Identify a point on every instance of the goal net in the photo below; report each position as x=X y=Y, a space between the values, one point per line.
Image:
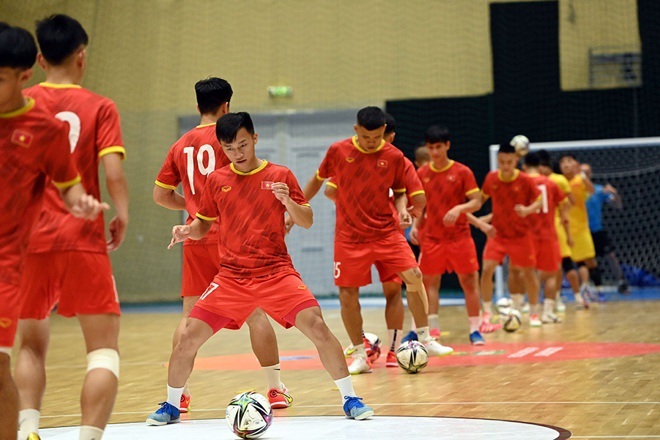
x=632 y=166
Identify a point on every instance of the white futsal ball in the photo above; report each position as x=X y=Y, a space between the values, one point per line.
x=513 y=321
x=521 y=144
x=249 y=415
x=504 y=305
x=412 y=356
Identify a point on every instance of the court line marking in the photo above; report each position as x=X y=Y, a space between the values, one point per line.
x=122 y=413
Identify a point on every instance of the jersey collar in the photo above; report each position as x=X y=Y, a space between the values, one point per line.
x=205 y=125
x=20 y=111
x=443 y=169
x=516 y=173
x=249 y=173
x=60 y=86
x=362 y=150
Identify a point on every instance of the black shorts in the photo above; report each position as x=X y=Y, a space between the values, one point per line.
x=602 y=243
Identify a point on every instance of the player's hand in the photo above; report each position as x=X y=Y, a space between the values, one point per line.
x=451 y=216
x=281 y=192
x=288 y=223
x=88 y=207
x=179 y=233
x=521 y=210
x=570 y=242
x=609 y=189
x=405 y=219
x=489 y=230
x=117 y=229
x=416 y=212
x=414 y=239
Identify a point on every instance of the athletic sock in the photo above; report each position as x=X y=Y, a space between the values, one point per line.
x=423 y=334
x=28 y=420
x=90 y=433
x=434 y=322
x=517 y=299
x=488 y=307
x=345 y=386
x=548 y=306
x=273 y=376
x=475 y=322
x=394 y=338
x=174 y=396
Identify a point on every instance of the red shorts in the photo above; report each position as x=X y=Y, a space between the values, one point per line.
x=10 y=307
x=227 y=302
x=521 y=250
x=80 y=283
x=459 y=255
x=548 y=254
x=201 y=263
x=353 y=261
x=386 y=277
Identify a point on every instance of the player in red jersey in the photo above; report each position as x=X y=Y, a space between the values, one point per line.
x=189 y=162
x=546 y=243
x=249 y=198
x=367 y=168
x=394 y=311
x=35 y=152
x=67 y=262
x=515 y=197
x=451 y=192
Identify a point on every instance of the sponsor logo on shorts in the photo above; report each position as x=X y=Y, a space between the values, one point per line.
x=350 y=159
x=5 y=322
x=226 y=188
x=302 y=287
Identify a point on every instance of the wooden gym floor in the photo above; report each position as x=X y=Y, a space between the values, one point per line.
x=595 y=375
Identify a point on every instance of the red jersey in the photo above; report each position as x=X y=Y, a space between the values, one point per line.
x=94 y=131
x=364 y=179
x=34 y=147
x=520 y=190
x=543 y=222
x=250 y=219
x=189 y=162
x=446 y=188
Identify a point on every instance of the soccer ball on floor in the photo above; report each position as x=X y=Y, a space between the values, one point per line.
x=412 y=356
x=504 y=305
x=521 y=144
x=249 y=415
x=513 y=321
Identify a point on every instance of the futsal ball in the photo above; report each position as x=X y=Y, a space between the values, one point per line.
x=504 y=305
x=521 y=144
x=513 y=321
x=412 y=356
x=249 y=415
x=372 y=346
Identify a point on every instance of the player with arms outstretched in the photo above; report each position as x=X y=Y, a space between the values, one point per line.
x=36 y=156
x=189 y=162
x=451 y=191
x=249 y=198
x=366 y=168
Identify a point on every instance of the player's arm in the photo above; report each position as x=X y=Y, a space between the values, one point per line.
x=195 y=230
x=401 y=205
x=168 y=198
x=588 y=184
x=301 y=215
x=414 y=229
x=79 y=203
x=330 y=191
x=417 y=204
x=483 y=224
x=524 y=211
x=472 y=205
x=115 y=182
x=615 y=198
x=313 y=186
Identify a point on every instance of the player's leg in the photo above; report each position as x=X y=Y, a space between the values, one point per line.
x=487 y=287
x=8 y=397
x=351 y=315
x=432 y=285
x=264 y=346
x=394 y=314
x=470 y=284
x=30 y=372
x=310 y=322
x=548 y=257
x=433 y=262
x=549 y=282
x=516 y=284
x=188 y=304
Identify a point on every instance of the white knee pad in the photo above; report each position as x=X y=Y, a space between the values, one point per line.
x=105 y=358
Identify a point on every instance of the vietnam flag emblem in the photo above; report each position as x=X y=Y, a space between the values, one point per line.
x=22 y=138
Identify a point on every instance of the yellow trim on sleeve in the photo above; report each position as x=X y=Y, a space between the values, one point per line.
x=114 y=149
x=20 y=111
x=249 y=173
x=205 y=218
x=472 y=191
x=362 y=150
x=305 y=204
x=402 y=190
x=68 y=184
x=318 y=176
x=165 y=185
x=59 y=86
x=332 y=185
x=416 y=193
x=484 y=195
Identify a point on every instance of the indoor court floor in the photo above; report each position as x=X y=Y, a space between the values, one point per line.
x=594 y=376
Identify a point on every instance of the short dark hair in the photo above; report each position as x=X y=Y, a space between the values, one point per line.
x=229 y=124
x=532 y=159
x=59 y=37
x=436 y=133
x=371 y=118
x=565 y=155
x=212 y=93
x=507 y=148
x=544 y=158
x=391 y=123
x=17 y=47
